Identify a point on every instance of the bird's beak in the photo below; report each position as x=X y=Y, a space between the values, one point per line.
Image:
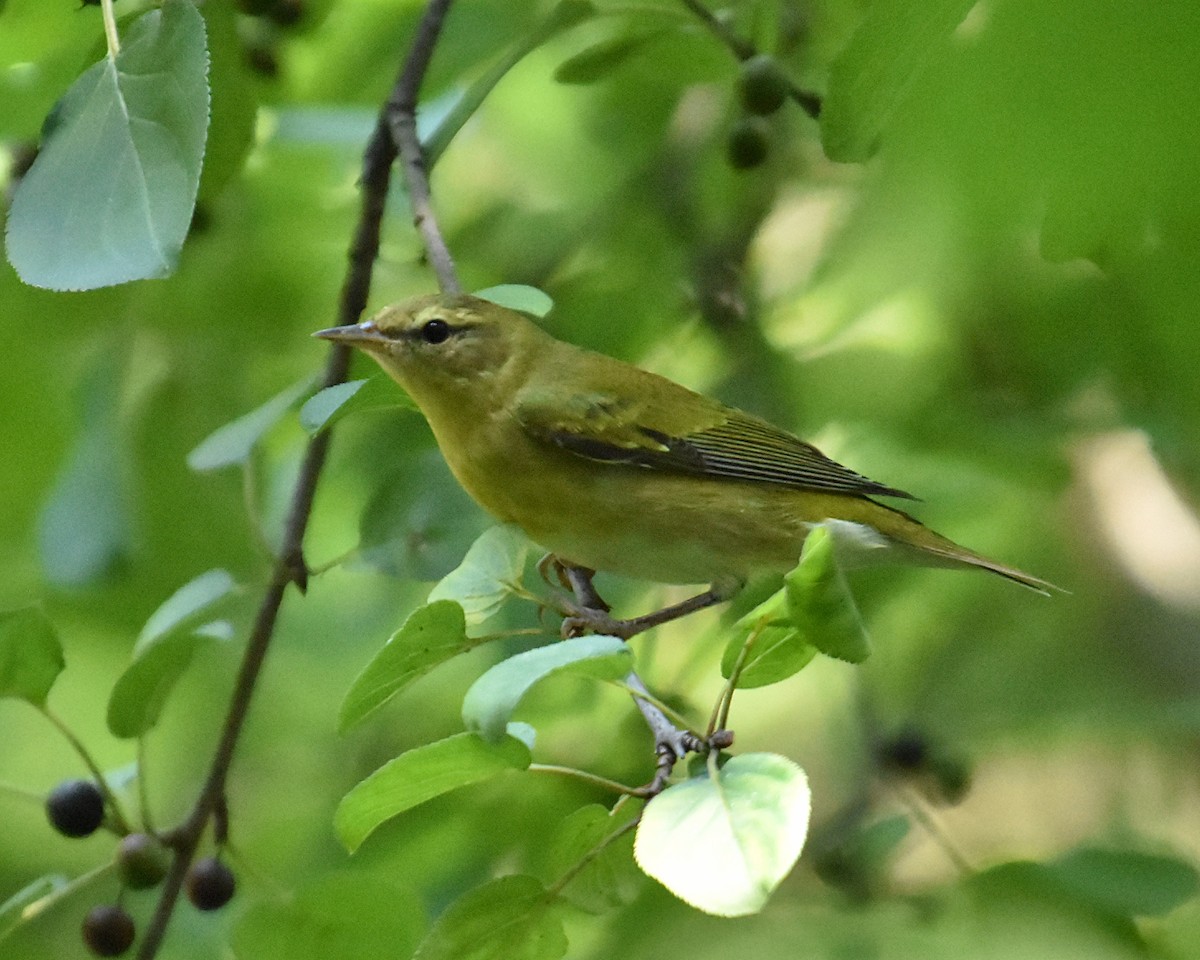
x=356 y=334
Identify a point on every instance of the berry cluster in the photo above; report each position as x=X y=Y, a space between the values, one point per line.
x=76 y=808
x=762 y=90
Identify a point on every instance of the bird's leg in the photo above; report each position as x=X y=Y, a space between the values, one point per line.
x=670 y=743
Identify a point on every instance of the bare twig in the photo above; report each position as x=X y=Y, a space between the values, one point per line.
x=289 y=567
x=401 y=114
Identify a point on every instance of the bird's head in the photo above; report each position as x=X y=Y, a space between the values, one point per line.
x=440 y=342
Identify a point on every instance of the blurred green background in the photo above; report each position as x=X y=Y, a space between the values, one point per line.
x=978 y=279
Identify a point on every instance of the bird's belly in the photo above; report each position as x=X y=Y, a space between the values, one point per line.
x=641 y=523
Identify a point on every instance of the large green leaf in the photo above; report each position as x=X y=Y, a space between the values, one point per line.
x=326 y=407
x=510 y=918
x=601 y=869
x=31 y=655
x=820 y=603
x=1127 y=881
x=432 y=634
x=110 y=196
x=231 y=444
x=489 y=704
x=485 y=578
x=724 y=844
x=420 y=775
x=778 y=648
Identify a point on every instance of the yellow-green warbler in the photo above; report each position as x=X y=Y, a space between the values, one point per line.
x=613 y=468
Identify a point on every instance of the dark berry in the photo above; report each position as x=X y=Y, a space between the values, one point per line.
x=905 y=752
x=748 y=143
x=263 y=61
x=953 y=778
x=287 y=13
x=762 y=87
x=108 y=931
x=141 y=861
x=210 y=884
x=75 y=808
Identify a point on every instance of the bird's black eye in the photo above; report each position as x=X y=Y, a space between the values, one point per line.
x=436 y=330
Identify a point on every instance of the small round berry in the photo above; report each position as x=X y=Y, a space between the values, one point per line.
x=108 y=930
x=762 y=87
x=748 y=143
x=75 y=808
x=952 y=774
x=141 y=861
x=210 y=884
x=906 y=751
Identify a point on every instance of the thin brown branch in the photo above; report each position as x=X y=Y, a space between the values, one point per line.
x=289 y=567
x=810 y=103
x=401 y=114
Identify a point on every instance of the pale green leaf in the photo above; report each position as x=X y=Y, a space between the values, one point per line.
x=489 y=704
x=420 y=775
x=432 y=634
x=602 y=58
x=723 y=845
x=516 y=296
x=510 y=918
x=31 y=655
x=820 y=603
x=186 y=607
x=326 y=407
x=485 y=578
x=110 y=197
x=602 y=873
x=233 y=443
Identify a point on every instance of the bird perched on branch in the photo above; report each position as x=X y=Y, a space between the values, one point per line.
x=612 y=468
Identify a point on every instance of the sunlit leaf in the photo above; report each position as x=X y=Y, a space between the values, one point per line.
x=326 y=407
x=515 y=296
x=489 y=704
x=820 y=603
x=420 y=775
x=233 y=443
x=723 y=845
x=110 y=196
x=432 y=634
x=510 y=918
x=31 y=655
x=484 y=580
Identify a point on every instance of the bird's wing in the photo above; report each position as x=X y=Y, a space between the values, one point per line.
x=678 y=431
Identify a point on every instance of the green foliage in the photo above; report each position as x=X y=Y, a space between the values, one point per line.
x=997 y=312
x=723 y=841
x=110 y=196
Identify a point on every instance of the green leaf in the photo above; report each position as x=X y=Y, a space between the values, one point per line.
x=510 y=918
x=326 y=407
x=489 y=704
x=110 y=197
x=233 y=443
x=344 y=915
x=564 y=15
x=234 y=101
x=877 y=69
x=31 y=655
x=432 y=634
x=820 y=604
x=1126 y=881
x=517 y=296
x=141 y=692
x=723 y=845
x=608 y=879
x=186 y=608
x=419 y=523
x=183 y=624
x=601 y=59
x=26 y=902
x=83 y=529
x=485 y=578
x=419 y=775
x=779 y=649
